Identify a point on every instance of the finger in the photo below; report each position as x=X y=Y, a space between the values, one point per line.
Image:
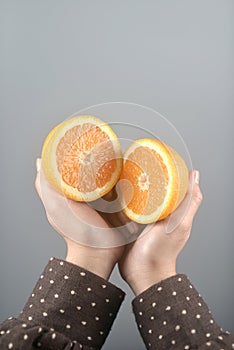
x=195 y=197
x=132 y=226
x=110 y=196
x=48 y=195
x=37 y=181
x=123 y=217
x=186 y=211
x=38 y=164
x=113 y=219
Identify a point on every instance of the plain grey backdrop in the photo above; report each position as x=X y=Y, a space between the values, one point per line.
x=173 y=56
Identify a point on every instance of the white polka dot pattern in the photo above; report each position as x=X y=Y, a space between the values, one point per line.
x=74 y=306
x=78 y=308
x=174 y=316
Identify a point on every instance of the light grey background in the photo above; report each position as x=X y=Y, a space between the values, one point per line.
x=174 y=56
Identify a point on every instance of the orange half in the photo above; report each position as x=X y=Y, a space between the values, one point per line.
x=82 y=158
x=153 y=182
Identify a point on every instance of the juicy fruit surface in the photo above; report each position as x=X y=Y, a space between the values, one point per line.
x=82 y=158
x=144 y=172
x=90 y=161
x=153 y=182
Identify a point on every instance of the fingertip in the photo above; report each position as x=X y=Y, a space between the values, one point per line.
x=132 y=227
x=191 y=183
x=37 y=184
x=196 y=175
x=123 y=217
x=196 y=192
x=194 y=179
x=38 y=164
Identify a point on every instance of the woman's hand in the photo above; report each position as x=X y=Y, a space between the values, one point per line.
x=78 y=222
x=152 y=257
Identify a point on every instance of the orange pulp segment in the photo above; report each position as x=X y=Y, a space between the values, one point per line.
x=153 y=181
x=82 y=158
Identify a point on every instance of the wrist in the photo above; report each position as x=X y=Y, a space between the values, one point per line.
x=91 y=259
x=146 y=279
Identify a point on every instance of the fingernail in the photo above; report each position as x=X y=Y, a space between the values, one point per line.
x=197 y=177
x=132 y=227
x=38 y=164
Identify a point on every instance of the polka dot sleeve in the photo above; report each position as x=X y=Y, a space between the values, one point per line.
x=172 y=315
x=69 y=308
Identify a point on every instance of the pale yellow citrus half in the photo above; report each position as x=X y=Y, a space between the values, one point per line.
x=82 y=158
x=154 y=180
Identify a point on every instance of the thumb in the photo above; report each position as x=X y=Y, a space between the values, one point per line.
x=186 y=211
x=37 y=180
x=195 y=196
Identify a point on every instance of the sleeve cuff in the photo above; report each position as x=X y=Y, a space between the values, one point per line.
x=173 y=313
x=74 y=302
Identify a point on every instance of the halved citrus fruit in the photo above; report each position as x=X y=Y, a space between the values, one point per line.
x=153 y=182
x=82 y=158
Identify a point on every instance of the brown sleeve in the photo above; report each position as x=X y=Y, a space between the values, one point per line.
x=69 y=308
x=172 y=315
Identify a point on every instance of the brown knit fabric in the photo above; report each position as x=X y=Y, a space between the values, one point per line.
x=69 y=305
x=72 y=308
x=172 y=315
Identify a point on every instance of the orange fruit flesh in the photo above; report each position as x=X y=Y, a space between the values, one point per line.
x=82 y=158
x=154 y=181
x=146 y=172
x=179 y=182
x=86 y=157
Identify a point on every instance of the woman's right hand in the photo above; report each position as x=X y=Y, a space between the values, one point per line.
x=153 y=256
x=91 y=242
